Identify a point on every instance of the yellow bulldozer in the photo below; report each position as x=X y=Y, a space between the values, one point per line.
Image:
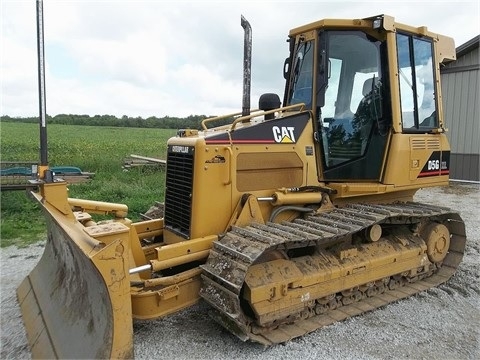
x=288 y=218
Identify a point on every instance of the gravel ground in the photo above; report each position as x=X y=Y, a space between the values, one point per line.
x=440 y=323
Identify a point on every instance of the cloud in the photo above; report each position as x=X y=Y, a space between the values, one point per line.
x=157 y=58
x=18 y=78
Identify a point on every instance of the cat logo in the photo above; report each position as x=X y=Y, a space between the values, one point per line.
x=284 y=134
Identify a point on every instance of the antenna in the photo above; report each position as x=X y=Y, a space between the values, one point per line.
x=42 y=171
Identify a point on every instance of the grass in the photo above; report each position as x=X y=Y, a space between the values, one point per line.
x=100 y=150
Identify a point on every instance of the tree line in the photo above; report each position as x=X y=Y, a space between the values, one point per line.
x=167 y=122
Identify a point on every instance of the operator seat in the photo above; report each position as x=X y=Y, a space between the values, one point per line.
x=367 y=112
x=369 y=85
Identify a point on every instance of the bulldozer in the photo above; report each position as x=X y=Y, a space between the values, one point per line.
x=287 y=218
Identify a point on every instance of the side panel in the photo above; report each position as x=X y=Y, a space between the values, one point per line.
x=198 y=196
x=253 y=158
x=418 y=160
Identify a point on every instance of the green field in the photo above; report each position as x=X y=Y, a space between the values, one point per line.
x=100 y=150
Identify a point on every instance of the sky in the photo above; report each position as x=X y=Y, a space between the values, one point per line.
x=173 y=58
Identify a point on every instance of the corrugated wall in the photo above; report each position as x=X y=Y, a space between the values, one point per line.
x=461 y=98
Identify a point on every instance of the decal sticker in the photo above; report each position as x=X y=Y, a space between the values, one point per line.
x=180 y=149
x=216 y=160
x=284 y=134
x=437 y=164
x=285 y=130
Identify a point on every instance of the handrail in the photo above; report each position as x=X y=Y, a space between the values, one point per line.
x=253 y=114
x=229 y=170
x=204 y=121
x=300 y=106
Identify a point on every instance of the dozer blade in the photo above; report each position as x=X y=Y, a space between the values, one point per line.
x=76 y=301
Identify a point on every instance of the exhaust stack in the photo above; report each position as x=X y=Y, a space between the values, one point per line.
x=247 y=65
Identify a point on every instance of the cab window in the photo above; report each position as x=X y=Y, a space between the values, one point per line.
x=303 y=75
x=416 y=78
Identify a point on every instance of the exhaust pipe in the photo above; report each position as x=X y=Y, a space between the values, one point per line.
x=247 y=65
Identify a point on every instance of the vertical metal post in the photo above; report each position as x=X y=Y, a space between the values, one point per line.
x=247 y=65
x=41 y=91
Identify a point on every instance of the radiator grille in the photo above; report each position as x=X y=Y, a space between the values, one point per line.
x=178 y=192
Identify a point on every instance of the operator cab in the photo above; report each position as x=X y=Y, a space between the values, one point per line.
x=343 y=78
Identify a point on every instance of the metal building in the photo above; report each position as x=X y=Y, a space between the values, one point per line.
x=461 y=105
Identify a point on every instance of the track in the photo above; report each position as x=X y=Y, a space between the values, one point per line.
x=233 y=255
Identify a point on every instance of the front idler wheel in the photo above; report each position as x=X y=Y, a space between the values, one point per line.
x=437 y=238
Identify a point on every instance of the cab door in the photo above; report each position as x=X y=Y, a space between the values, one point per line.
x=354 y=119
